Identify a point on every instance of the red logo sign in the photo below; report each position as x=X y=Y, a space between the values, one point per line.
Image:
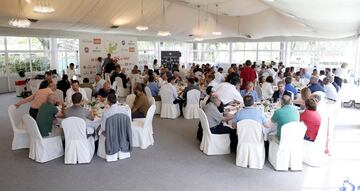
x=97 y=40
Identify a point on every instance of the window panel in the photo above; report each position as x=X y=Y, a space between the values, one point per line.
x=238 y=57
x=2 y=64
x=275 y=45
x=19 y=61
x=264 y=45
x=67 y=44
x=2 y=43
x=17 y=43
x=40 y=61
x=222 y=57
x=250 y=46
x=146 y=45
x=250 y=55
x=264 y=56
x=40 y=44
x=238 y=46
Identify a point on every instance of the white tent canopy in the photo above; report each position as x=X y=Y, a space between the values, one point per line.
x=237 y=18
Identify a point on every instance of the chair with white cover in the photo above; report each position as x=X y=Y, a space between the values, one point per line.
x=101 y=152
x=60 y=94
x=250 y=149
x=88 y=92
x=42 y=149
x=78 y=148
x=148 y=92
x=142 y=133
x=203 y=102
x=213 y=144
x=191 y=110
x=21 y=138
x=130 y=100
x=168 y=108
x=120 y=90
x=259 y=92
x=289 y=152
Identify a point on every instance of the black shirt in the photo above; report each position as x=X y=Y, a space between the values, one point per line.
x=102 y=92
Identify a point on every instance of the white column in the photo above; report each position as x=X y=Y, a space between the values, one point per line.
x=54 y=64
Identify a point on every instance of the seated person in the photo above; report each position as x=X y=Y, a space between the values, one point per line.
x=216 y=119
x=286 y=114
x=329 y=89
x=115 y=74
x=314 y=85
x=114 y=109
x=266 y=88
x=249 y=112
x=86 y=84
x=63 y=84
x=153 y=87
x=304 y=95
x=76 y=110
x=311 y=119
x=169 y=88
x=47 y=114
x=228 y=92
x=279 y=92
x=249 y=91
x=99 y=83
x=105 y=91
x=141 y=103
x=75 y=88
x=124 y=78
x=190 y=86
x=289 y=87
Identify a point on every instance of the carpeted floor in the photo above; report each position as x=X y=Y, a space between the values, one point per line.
x=173 y=163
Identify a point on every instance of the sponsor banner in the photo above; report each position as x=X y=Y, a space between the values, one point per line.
x=123 y=49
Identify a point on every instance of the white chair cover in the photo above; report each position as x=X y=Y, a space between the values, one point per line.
x=88 y=92
x=78 y=148
x=250 y=149
x=168 y=108
x=213 y=144
x=21 y=137
x=42 y=149
x=148 y=92
x=203 y=102
x=289 y=153
x=130 y=100
x=142 y=133
x=60 y=94
x=258 y=92
x=120 y=90
x=191 y=110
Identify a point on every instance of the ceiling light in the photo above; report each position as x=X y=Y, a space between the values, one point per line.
x=44 y=7
x=28 y=1
x=163 y=33
x=216 y=33
x=141 y=26
x=19 y=21
x=198 y=39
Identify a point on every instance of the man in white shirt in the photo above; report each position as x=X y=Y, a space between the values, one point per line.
x=228 y=92
x=329 y=89
x=114 y=109
x=71 y=71
x=75 y=88
x=169 y=89
x=99 y=82
x=219 y=76
x=211 y=81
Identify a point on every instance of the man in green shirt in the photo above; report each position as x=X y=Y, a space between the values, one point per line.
x=46 y=115
x=286 y=114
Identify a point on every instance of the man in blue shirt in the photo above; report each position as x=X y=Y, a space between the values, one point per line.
x=289 y=87
x=153 y=86
x=314 y=85
x=249 y=112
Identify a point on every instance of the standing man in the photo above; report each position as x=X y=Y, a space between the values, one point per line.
x=99 y=65
x=107 y=60
x=71 y=71
x=247 y=75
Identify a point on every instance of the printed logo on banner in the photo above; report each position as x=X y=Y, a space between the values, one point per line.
x=86 y=49
x=97 y=40
x=131 y=49
x=111 y=47
x=123 y=42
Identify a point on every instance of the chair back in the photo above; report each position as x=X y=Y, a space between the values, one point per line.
x=204 y=123
x=130 y=100
x=32 y=127
x=14 y=116
x=150 y=116
x=321 y=94
x=74 y=128
x=119 y=83
x=88 y=92
x=193 y=97
x=60 y=94
x=258 y=92
x=148 y=92
x=249 y=131
x=292 y=135
x=166 y=95
x=151 y=101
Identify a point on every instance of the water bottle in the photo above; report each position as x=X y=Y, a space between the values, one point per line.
x=347 y=185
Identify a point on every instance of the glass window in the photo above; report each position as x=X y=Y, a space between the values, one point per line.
x=275 y=56
x=17 y=43
x=67 y=44
x=250 y=55
x=40 y=61
x=264 y=45
x=222 y=57
x=146 y=45
x=2 y=43
x=19 y=61
x=264 y=56
x=40 y=44
x=250 y=46
x=275 y=45
x=238 y=46
x=238 y=57
x=2 y=64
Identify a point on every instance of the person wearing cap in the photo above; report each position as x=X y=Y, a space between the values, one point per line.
x=286 y=114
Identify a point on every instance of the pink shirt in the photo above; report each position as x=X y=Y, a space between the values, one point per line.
x=312 y=120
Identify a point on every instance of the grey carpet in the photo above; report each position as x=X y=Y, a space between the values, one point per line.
x=173 y=163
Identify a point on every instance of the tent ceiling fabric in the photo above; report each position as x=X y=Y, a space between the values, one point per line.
x=237 y=18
